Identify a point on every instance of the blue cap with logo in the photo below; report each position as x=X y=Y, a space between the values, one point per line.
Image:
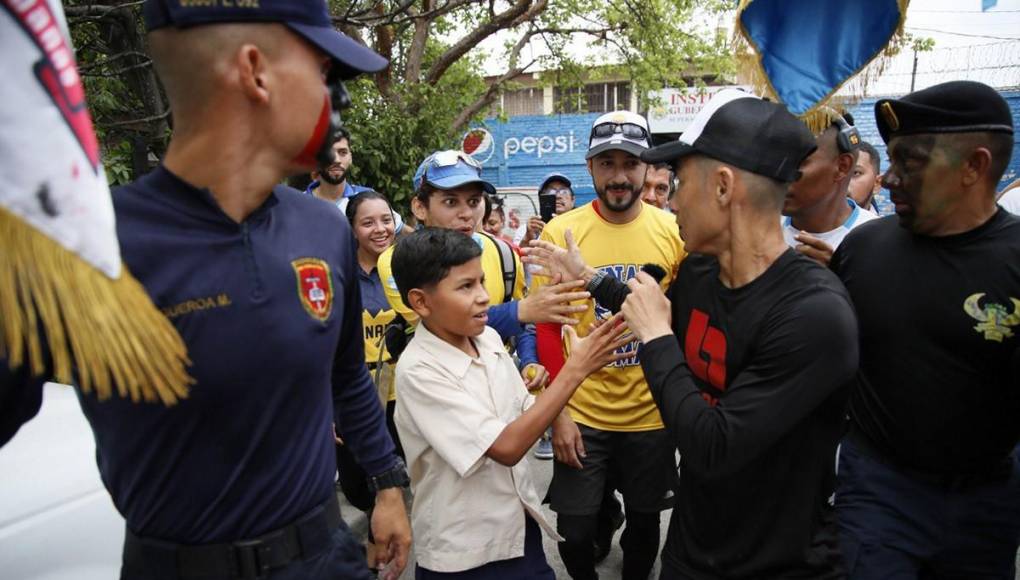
x=307 y=18
x=449 y=170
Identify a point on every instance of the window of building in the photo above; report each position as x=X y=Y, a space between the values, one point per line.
x=523 y=102
x=593 y=98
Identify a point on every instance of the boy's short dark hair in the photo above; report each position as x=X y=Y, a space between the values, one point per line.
x=873 y=156
x=424 y=258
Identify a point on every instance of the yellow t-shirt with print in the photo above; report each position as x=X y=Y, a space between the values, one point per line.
x=375 y=344
x=492 y=267
x=616 y=398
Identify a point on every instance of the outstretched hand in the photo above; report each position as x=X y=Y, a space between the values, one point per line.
x=553 y=260
x=552 y=303
x=600 y=347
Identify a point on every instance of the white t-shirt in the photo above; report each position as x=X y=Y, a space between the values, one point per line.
x=834 y=237
x=1011 y=201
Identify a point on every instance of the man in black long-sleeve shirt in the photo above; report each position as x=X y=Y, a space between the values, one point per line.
x=928 y=483
x=753 y=374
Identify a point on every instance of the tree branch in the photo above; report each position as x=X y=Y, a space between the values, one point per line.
x=141 y=121
x=416 y=51
x=496 y=86
x=521 y=11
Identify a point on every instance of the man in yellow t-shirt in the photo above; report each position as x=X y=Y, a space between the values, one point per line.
x=449 y=193
x=612 y=429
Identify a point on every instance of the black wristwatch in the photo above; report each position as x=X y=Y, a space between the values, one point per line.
x=395 y=476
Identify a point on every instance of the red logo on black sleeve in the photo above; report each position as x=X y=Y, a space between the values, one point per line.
x=56 y=70
x=705 y=349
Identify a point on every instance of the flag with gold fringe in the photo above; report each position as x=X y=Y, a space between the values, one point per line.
x=66 y=301
x=801 y=52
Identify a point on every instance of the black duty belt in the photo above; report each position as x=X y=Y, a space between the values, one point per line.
x=306 y=537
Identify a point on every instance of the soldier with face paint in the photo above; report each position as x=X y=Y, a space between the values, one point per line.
x=260 y=281
x=928 y=480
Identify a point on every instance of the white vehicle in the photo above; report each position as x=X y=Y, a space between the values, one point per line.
x=56 y=519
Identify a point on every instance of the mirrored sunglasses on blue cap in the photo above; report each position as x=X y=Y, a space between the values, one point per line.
x=628 y=130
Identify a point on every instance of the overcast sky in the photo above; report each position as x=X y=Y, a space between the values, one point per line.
x=969 y=44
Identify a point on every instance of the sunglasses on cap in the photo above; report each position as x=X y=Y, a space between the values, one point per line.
x=628 y=130
x=450 y=157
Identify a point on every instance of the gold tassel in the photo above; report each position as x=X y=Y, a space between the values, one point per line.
x=100 y=332
x=749 y=66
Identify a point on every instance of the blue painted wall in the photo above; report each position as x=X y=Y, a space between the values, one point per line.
x=525 y=149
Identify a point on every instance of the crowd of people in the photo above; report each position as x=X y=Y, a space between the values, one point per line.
x=728 y=331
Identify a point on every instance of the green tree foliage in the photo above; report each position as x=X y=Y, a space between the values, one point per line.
x=436 y=85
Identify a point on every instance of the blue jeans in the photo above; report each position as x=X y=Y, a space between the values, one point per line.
x=899 y=526
x=344 y=560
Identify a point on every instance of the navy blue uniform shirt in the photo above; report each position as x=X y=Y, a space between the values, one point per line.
x=270 y=311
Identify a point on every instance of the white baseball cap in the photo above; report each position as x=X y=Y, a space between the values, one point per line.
x=621 y=130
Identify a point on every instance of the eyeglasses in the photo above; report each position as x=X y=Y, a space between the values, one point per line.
x=450 y=157
x=557 y=191
x=628 y=130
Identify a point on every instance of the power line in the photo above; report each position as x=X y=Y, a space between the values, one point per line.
x=963 y=33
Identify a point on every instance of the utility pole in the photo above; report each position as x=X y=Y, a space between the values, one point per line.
x=913 y=73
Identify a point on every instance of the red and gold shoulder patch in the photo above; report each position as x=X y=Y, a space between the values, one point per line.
x=315 y=287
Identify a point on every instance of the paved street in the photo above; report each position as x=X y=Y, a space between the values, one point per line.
x=608 y=570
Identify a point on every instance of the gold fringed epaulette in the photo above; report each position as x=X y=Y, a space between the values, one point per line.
x=852 y=90
x=101 y=333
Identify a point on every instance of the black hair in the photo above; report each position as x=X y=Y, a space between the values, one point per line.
x=423 y=258
x=342 y=133
x=355 y=202
x=424 y=192
x=1000 y=145
x=876 y=160
x=672 y=175
x=493 y=203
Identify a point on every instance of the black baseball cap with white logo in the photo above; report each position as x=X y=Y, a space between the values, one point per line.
x=745 y=131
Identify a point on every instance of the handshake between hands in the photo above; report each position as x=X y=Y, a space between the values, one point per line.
x=646 y=309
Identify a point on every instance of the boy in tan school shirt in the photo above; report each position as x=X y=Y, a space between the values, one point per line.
x=466 y=419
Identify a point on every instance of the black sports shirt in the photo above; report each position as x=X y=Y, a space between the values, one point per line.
x=939 y=320
x=753 y=388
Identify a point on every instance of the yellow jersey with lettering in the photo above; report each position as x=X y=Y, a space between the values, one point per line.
x=376 y=313
x=616 y=397
x=492 y=268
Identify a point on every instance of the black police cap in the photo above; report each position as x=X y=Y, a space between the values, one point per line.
x=953 y=107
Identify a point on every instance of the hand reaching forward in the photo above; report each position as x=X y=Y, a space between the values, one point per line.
x=553 y=260
x=552 y=303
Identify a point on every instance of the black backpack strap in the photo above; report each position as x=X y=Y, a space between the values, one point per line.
x=508 y=266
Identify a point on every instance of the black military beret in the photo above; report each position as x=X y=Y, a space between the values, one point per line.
x=953 y=107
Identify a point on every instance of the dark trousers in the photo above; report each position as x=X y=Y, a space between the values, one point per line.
x=352 y=478
x=901 y=525
x=531 y=566
x=343 y=560
x=639 y=540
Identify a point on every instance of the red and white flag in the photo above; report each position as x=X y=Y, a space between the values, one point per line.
x=63 y=289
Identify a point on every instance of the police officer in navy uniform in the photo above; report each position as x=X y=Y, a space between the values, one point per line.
x=929 y=485
x=236 y=481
